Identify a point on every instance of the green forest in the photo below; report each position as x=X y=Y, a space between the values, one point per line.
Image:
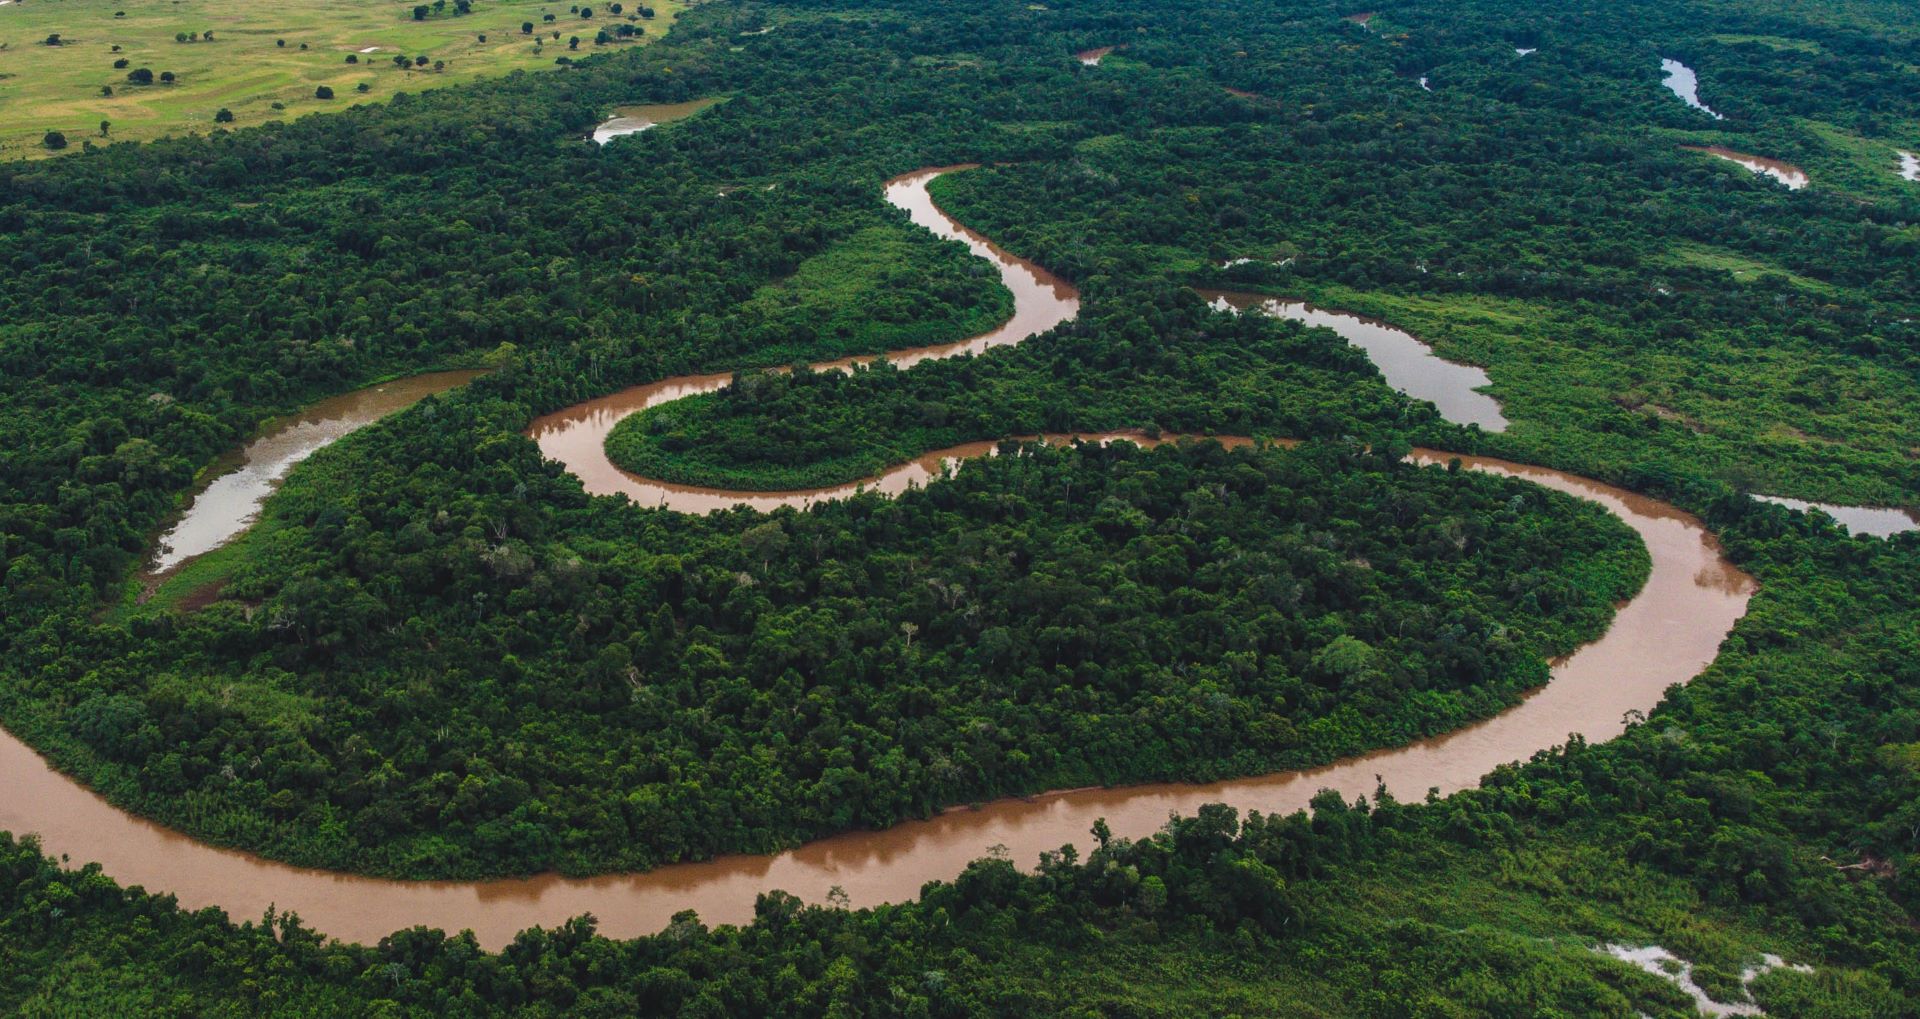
x=436 y=656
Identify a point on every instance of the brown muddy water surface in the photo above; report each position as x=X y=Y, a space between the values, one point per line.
x=1786 y=173
x=628 y=120
x=577 y=435
x=1664 y=635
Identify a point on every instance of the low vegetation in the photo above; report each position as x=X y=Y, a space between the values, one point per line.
x=265 y=61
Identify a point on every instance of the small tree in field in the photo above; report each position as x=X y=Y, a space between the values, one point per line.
x=363 y=88
x=401 y=61
x=54 y=140
x=54 y=39
x=526 y=28
x=353 y=58
x=573 y=43
x=224 y=116
x=420 y=61
x=104 y=125
x=140 y=76
x=323 y=92
x=166 y=78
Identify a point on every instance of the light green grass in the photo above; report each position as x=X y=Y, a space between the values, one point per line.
x=851 y=295
x=242 y=68
x=1865 y=167
x=1742 y=267
x=1768 y=412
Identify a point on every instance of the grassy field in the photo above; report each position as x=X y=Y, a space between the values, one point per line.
x=1762 y=411
x=245 y=68
x=1743 y=268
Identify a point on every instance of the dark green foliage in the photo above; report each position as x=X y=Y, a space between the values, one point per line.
x=159 y=301
x=1157 y=363
x=1050 y=619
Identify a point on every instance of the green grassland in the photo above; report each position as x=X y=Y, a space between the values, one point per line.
x=886 y=287
x=1743 y=268
x=1765 y=412
x=244 y=67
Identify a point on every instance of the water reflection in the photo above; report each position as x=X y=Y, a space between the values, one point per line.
x=1880 y=522
x=1409 y=365
x=1681 y=81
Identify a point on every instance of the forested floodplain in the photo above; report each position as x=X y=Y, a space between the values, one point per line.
x=1055 y=619
x=437 y=655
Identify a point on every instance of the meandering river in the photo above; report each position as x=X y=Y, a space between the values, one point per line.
x=1664 y=635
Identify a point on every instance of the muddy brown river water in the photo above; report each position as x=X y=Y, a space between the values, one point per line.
x=1785 y=173
x=1664 y=635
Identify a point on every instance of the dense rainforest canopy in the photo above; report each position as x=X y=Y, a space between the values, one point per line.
x=435 y=655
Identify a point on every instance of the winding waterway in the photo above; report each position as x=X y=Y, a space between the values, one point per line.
x=1664 y=635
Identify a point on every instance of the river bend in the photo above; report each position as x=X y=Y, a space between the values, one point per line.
x=1664 y=635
